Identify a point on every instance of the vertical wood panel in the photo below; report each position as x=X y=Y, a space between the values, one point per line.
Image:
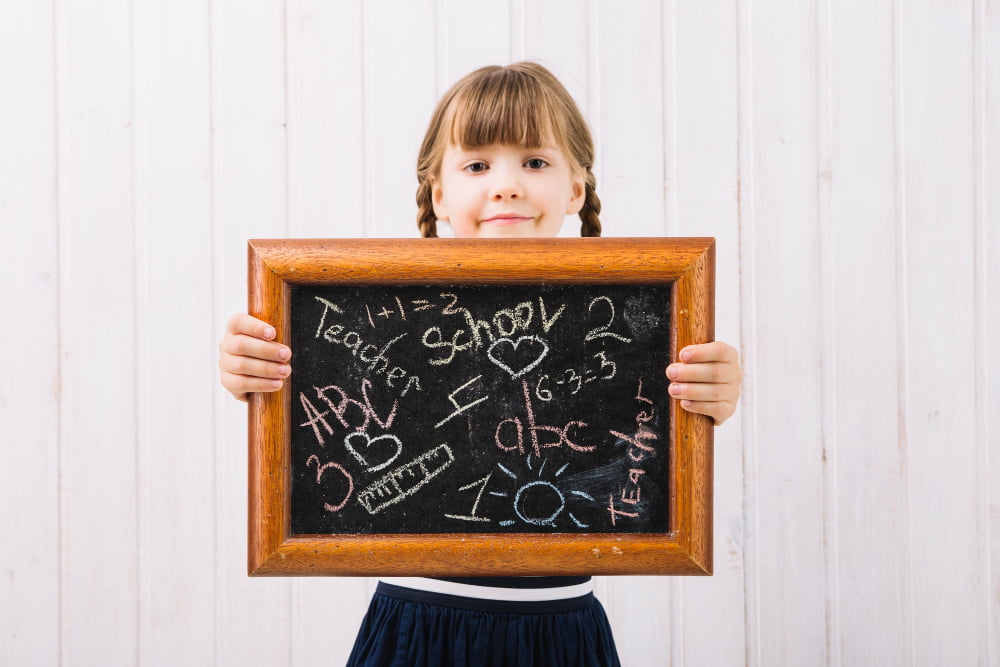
x=175 y=332
x=249 y=196
x=29 y=293
x=473 y=35
x=556 y=35
x=749 y=422
x=790 y=556
x=858 y=202
x=326 y=125
x=703 y=200
x=940 y=424
x=858 y=185
x=825 y=159
x=98 y=518
x=988 y=305
x=325 y=151
x=631 y=115
x=399 y=99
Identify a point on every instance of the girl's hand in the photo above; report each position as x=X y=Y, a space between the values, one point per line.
x=707 y=380
x=248 y=360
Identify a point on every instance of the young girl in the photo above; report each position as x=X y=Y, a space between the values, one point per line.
x=507 y=154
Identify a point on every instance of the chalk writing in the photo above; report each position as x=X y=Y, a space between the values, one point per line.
x=531 y=387
x=640 y=447
x=572 y=381
x=459 y=409
x=471 y=516
x=534 y=431
x=339 y=408
x=503 y=325
x=434 y=339
x=320 y=469
x=601 y=331
x=376 y=358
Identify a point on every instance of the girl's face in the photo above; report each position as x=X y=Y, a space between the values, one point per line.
x=506 y=191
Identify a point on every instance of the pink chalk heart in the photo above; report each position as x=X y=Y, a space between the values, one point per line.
x=518 y=357
x=366 y=449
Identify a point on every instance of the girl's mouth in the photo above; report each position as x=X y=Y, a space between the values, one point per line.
x=507 y=219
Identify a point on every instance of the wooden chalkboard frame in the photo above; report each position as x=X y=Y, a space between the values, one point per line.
x=686 y=264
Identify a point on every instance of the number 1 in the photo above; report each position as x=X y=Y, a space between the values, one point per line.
x=475 y=506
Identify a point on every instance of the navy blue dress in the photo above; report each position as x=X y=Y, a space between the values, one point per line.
x=406 y=627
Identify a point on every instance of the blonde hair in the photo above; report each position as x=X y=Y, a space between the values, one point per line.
x=520 y=104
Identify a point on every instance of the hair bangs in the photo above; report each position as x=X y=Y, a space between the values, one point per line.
x=505 y=107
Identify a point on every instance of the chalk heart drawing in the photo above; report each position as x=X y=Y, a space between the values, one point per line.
x=368 y=451
x=518 y=357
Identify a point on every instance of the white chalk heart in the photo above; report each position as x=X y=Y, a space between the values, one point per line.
x=506 y=354
x=367 y=444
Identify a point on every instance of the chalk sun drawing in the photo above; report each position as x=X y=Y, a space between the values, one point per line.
x=541 y=502
x=504 y=353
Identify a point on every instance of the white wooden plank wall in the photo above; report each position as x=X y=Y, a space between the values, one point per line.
x=846 y=155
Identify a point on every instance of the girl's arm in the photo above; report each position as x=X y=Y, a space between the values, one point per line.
x=248 y=359
x=707 y=380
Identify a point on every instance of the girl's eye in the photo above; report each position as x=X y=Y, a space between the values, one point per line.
x=536 y=163
x=476 y=167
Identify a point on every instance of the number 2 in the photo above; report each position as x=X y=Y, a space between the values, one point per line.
x=601 y=331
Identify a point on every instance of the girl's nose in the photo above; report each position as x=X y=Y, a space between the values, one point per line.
x=506 y=186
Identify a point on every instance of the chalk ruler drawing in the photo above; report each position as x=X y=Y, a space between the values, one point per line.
x=405 y=480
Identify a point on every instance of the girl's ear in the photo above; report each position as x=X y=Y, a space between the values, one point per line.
x=578 y=193
x=437 y=201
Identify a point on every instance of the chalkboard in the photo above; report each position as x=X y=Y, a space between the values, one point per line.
x=489 y=408
x=480 y=407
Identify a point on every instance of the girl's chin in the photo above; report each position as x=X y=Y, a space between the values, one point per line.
x=508 y=231
x=487 y=230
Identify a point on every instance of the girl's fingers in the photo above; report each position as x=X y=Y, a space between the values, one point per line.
x=719 y=411
x=708 y=352
x=241 y=386
x=702 y=391
x=244 y=324
x=249 y=359
x=715 y=372
x=255 y=368
x=249 y=346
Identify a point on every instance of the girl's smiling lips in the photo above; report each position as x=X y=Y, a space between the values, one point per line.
x=507 y=218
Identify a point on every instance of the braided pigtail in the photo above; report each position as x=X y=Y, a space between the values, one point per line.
x=590 y=221
x=426 y=220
